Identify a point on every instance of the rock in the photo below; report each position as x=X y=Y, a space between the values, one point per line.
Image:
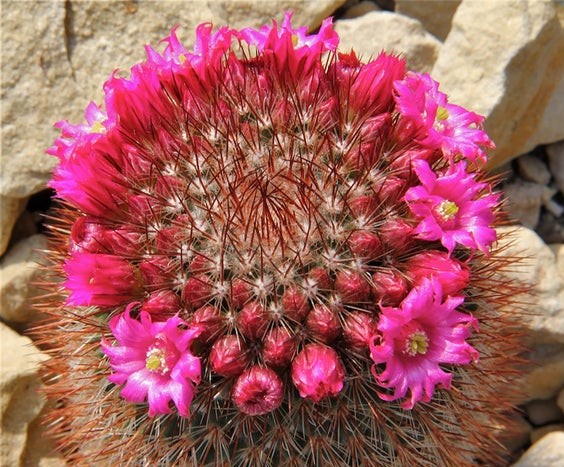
x=394 y=33
x=538 y=433
x=516 y=434
x=534 y=267
x=533 y=169
x=10 y=209
x=560 y=400
x=481 y=66
x=558 y=250
x=435 y=15
x=555 y=154
x=360 y=9
x=546 y=375
x=548 y=452
x=19 y=268
x=543 y=411
x=20 y=401
x=524 y=201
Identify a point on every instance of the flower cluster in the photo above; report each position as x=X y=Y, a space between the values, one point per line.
x=265 y=227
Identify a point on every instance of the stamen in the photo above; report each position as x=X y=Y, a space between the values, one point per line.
x=447 y=210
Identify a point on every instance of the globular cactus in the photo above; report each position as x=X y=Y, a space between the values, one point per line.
x=274 y=253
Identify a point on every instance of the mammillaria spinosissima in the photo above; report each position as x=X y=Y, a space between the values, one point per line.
x=275 y=254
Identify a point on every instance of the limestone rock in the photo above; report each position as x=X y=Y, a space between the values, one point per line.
x=556 y=161
x=525 y=200
x=18 y=269
x=503 y=60
x=534 y=266
x=20 y=401
x=435 y=15
x=547 y=452
x=373 y=32
x=546 y=376
x=10 y=209
x=558 y=250
x=360 y=9
x=533 y=169
x=543 y=411
x=538 y=433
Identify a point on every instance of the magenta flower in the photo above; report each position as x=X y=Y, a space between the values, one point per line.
x=154 y=361
x=438 y=124
x=452 y=207
x=100 y=280
x=415 y=339
x=317 y=372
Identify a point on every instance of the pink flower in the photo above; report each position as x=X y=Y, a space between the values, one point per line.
x=154 y=361
x=452 y=207
x=317 y=372
x=414 y=339
x=100 y=280
x=453 y=275
x=438 y=124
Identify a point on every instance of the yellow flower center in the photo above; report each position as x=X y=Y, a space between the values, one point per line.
x=97 y=127
x=417 y=343
x=447 y=209
x=182 y=59
x=156 y=361
x=295 y=39
x=442 y=114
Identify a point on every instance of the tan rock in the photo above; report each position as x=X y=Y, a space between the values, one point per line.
x=555 y=154
x=360 y=9
x=543 y=411
x=383 y=30
x=20 y=401
x=534 y=266
x=558 y=250
x=533 y=169
x=10 y=209
x=435 y=15
x=546 y=376
x=524 y=201
x=538 y=433
x=503 y=60
x=560 y=400
x=547 y=452
x=18 y=269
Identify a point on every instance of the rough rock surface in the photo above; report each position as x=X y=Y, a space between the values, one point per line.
x=10 y=209
x=20 y=401
x=547 y=452
x=18 y=269
x=546 y=375
x=435 y=15
x=555 y=154
x=384 y=30
x=525 y=200
x=485 y=64
x=535 y=267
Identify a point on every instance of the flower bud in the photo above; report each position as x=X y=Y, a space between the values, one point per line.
x=278 y=347
x=365 y=244
x=252 y=320
x=352 y=287
x=317 y=372
x=258 y=391
x=358 y=329
x=199 y=264
x=163 y=302
x=365 y=206
x=397 y=235
x=197 y=291
x=210 y=321
x=156 y=272
x=228 y=356
x=323 y=323
x=389 y=287
x=295 y=304
x=322 y=277
x=240 y=293
x=451 y=273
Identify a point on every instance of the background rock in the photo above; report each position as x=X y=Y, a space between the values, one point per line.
x=435 y=15
x=20 y=401
x=19 y=269
x=548 y=452
x=486 y=64
x=555 y=154
x=10 y=209
x=384 y=30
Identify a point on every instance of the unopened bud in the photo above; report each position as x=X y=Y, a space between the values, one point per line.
x=323 y=323
x=352 y=287
x=228 y=356
x=279 y=347
x=257 y=391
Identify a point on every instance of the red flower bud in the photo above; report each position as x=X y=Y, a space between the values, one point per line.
x=252 y=320
x=322 y=277
x=156 y=272
x=210 y=321
x=397 y=235
x=389 y=287
x=240 y=293
x=451 y=273
x=323 y=323
x=278 y=347
x=258 y=391
x=164 y=302
x=197 y=291
x=358 y=329
x=352 y=287
x=295 y=304
x=365 y=244
x=228 y=356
